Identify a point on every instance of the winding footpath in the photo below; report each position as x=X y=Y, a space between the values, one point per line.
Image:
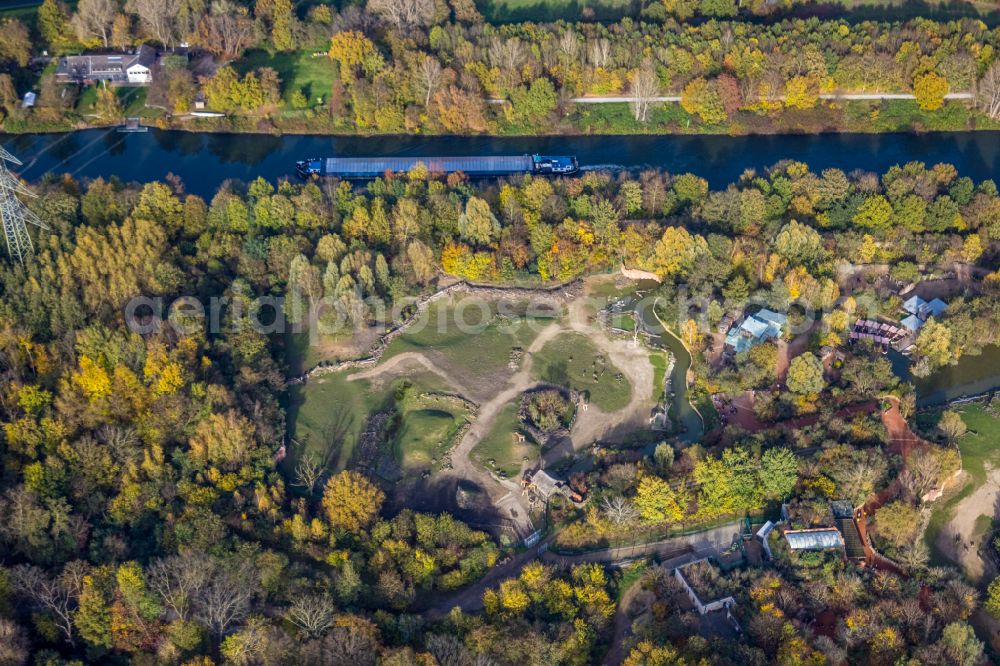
x=592 y=424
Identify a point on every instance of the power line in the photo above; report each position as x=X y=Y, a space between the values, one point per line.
x=15 y=215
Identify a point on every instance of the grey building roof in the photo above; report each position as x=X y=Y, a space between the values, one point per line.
x=816 y=539
x=105 y=66
x=545 y=484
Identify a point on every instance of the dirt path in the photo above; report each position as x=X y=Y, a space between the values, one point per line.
x=592 y=424
x=410 y=358
x=957 y=539
x=789 y=350
x=623 y=624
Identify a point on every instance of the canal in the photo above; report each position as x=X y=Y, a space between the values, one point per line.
x=203 y=161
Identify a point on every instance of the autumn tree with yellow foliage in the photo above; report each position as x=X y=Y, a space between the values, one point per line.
x=351 y=501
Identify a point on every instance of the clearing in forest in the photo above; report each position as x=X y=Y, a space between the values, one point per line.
x=503 y=446
x=469 y=342
x=571 y=360
x=958 y=524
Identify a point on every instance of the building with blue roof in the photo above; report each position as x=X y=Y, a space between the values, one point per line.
x=913 y=304
x=919 y=311
x=756 y=329
x=912 y=323
x=936 y=307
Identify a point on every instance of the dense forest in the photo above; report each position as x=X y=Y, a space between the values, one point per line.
x=431 y=66
x=145 y=513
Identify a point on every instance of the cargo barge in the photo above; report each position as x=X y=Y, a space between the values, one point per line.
x=482 y=166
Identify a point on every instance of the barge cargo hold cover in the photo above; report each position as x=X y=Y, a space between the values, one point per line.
x=472 y=166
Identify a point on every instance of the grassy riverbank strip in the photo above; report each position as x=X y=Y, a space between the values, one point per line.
x=613 y=118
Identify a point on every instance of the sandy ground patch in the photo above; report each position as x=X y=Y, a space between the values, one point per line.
x=957 y=539
x=494 y=392
x=403 y=365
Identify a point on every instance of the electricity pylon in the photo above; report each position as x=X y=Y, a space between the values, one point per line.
x=16 y=216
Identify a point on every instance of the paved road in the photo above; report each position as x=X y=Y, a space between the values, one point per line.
x=471 y=598
x=716 y=538
x=617 y=99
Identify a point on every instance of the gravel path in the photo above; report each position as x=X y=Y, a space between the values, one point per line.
x=958 y=540
x=591 y=425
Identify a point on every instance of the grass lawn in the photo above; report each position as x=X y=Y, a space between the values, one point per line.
x=426 y=433
x=658 y=360
x=629 y=576
x=132 y=100
x=897 y=115
x=501 y=446
x=624 y=321
x=617 y=118
x=298 y=70
x=509 y=11
x=466 y=340
x=571 y=360
x=978 y=448
x=327 y=414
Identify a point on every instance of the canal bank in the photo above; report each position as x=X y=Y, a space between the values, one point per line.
x=204 y=161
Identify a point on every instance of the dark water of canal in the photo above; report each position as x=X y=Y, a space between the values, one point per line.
x=972 y=375
x=204 y=161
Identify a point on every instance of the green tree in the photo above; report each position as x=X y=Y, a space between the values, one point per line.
x=282 y=20
x=960 y=645
x=801 y=92
x=690 y=188
x=53 y=24
x=353 y=50
x=702 y=98
x=225 y=440
x=897 y=522
x=534 y=103
x=15 y=43
x=875 y=212
x=951 y=425
x=805 y=374
x=779 y=472
x=992 y=603
x=107 y=106
x=676 y=252
x=478 y=224
x=682 y=9
x=93 y=616
x=799 y=244
x=934 y=348
x=718 y=8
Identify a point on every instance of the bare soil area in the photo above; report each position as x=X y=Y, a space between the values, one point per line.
x=493 y=390
x=958 y=539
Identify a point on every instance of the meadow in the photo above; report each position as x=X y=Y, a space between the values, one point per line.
x=979 y=453
x=571 y=360
x=501 y=446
